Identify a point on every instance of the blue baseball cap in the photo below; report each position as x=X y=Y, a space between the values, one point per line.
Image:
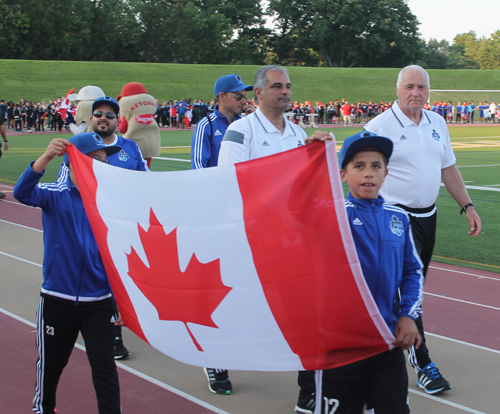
x=89 y=142
x=364 y=139
x=230 y=83
x=106 y=100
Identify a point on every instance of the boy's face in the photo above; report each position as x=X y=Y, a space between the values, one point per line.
x=365 y=174
x=99 y=155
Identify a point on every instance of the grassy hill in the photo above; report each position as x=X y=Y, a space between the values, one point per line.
x=37 y=80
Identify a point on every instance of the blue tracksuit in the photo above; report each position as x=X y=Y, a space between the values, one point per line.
x=384 y=243
x=72 y=266
x=205 y=151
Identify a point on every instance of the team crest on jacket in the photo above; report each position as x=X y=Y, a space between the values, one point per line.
x=123 y=156
x=435 y=135
x=397 y=226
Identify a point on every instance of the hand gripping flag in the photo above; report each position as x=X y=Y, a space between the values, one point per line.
x=248 y=267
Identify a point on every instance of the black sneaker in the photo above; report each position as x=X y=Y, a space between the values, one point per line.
x=306 y=404
x=431 y=380
x=218 y=381
x=120 y=351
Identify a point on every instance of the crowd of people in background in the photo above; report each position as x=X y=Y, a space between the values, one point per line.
x=464 y=112
x=33 y=116
x=54 y=116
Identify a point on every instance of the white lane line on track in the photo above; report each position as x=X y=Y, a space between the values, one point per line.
x=20 y=225
x=20 y=259
x=466 y=273
x=461 y=300
x=135 y=372
x=17 y=203
x=446 y=402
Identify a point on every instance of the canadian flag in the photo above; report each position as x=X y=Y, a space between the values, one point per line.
x=65 y=105
x=248 y=267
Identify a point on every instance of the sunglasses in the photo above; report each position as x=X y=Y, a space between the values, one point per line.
x=109 y=115
x=238 y=97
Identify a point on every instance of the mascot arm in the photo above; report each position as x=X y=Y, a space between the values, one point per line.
x=123 y=126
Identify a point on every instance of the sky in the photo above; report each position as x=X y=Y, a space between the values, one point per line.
x=442 y=19
x=445 y=19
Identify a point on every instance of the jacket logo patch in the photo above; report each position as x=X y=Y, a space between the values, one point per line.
x=396 y=226
x=145 y=119
x=123 y=156
x=217 y=132
x=357 y=222
x=435 y=135
x=265 y=144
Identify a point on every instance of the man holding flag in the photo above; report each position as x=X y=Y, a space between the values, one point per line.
x=267 y=132
x=75 y=295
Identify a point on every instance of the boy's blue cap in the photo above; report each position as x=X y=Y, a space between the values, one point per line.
x=230 y=83
x=364 y=139
x=108 y=100
x=89 y=142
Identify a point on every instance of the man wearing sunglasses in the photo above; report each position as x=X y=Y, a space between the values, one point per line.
x=75 y=296
x=230 y=91
x=104 y=121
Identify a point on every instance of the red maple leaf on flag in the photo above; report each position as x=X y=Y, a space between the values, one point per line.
x=190 y=296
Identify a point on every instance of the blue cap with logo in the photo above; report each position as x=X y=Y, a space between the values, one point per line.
x=106 y=100
x=230 y=83
x=89 y=142
x=364 y=139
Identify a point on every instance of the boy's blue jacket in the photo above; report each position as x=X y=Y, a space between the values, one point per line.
x=388 y=257
x=72 y=266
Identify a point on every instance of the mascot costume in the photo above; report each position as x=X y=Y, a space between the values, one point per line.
x=85 y=98
x=137 y=122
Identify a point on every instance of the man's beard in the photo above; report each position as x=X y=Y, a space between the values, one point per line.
x=104 y=134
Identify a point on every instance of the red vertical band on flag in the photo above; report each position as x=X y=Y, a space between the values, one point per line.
x=293 y=232
x=87 y=184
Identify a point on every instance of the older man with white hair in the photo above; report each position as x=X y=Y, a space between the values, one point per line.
x=422 y=157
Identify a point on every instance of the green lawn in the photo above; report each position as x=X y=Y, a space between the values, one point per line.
x=37 y=80
x=478 y=158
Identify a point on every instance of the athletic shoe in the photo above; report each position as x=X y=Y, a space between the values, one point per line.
x=218 y=381
x=2 y=196
x=431 y=380
x=305 y=405
x=120 y=351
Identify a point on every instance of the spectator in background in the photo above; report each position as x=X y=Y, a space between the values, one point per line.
x=486 y=112
x=458 y=115
x=471 y=110
x=346 y=114
x=493 y=110
x=181 y=107
x=450 y=112
x=3 y=134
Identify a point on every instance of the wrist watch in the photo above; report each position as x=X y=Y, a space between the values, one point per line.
x=464 y=208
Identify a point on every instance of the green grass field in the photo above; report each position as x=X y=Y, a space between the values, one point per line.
x=478 y=157
x=37 y=80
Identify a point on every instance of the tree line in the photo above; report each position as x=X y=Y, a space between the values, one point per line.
x=332 y=33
